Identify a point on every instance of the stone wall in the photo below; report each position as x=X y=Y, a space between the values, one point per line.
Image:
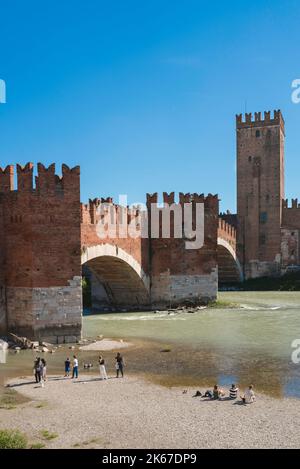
x=40 y=250
x=178 y=274
x=260 y=190
x=172 y=290
x=53 y=314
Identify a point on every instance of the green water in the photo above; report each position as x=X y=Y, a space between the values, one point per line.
x=248 y=344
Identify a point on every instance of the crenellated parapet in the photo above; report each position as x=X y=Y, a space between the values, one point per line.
x=257 y=120
x=184 y=198
x=97 y=208
x=46 y=180
x=293 y=204
x=7 y=179
x=227 y=232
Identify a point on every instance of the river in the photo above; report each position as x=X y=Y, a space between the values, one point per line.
x=248 y=344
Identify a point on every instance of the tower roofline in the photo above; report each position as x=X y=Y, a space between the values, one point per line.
x=247 y=120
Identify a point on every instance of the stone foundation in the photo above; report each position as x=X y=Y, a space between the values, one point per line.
x=255 y=269
x=173 y=290
x=52 y=314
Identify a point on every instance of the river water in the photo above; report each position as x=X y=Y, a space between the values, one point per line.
x=249 y=344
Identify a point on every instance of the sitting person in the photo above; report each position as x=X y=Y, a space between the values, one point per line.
x=233 y=391
x=216 y=393
x=249 y=396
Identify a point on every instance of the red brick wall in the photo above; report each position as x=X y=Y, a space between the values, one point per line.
x=260 y=189
x=42 y=228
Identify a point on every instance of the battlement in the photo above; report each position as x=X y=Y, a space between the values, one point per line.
x=210 y=199
x=293 y=204
x=248 y=120
x=7 y=179
x=90 y=213
x=225 y=227
x=45 y=181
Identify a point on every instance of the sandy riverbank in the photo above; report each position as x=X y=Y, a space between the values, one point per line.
x=132 y=413
x=105 y=345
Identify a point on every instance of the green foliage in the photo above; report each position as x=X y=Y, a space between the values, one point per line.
x=222 y=304
x=37 y=446
x=48 y=435
x=12 y=439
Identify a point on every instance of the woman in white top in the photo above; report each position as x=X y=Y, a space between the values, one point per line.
x=102 y=368
x=249 y=396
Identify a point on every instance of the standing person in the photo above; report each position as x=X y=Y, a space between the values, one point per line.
x=102 y=368
x=44 y=375
x=249 y=395
x=67 y=367
x=75 y=367
x=233 y=391
x=42 y=381
x=37 y=370
x=119 y=365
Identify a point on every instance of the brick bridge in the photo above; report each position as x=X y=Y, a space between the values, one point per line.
x=47 y=237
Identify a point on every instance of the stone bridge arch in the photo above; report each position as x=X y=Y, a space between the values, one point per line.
x=118 y=281
x=229 y=267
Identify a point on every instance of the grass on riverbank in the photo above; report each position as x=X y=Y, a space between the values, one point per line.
x=12 y=439
x=221 y=304
x=10 y=399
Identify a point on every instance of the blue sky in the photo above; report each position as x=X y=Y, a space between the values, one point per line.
x=143 y=95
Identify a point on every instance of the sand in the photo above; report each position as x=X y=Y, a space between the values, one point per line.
x=133 y=413
x=105 y=345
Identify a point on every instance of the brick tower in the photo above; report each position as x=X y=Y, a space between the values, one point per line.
x=260 y=191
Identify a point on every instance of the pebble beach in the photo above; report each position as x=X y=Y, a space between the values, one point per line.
x=134 y=413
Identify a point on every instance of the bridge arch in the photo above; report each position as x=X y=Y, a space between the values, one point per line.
x=229 y=267
x=118 y=280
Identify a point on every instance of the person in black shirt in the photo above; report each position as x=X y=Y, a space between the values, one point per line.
x=119 y=365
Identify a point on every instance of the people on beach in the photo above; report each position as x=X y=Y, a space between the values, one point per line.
x=216 y=393
x=102 y=369
x=249 y=395
x=44 y=369
x=75 y=367
x=119 y=365
x=37 y=368
x=67 y=367
x=233 y=391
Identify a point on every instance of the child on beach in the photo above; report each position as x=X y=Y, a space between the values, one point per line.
x=67 y=367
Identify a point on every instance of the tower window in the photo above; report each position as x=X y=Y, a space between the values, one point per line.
x=257 y=134
x=263 y=217
x=249 y=159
